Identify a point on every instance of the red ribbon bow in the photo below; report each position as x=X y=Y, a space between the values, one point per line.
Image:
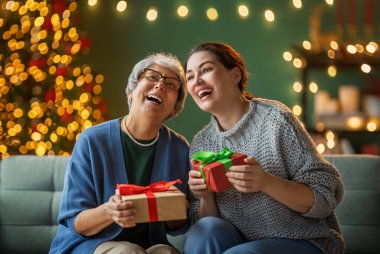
x=161 y=186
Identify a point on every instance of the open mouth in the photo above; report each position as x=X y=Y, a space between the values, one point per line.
x=204 y=93
x=154 y=98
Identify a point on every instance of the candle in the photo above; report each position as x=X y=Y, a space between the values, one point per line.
x=349 y=98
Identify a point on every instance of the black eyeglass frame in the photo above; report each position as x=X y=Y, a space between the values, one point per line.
x=164 y=78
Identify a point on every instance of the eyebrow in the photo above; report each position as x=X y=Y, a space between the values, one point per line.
x=200 y=66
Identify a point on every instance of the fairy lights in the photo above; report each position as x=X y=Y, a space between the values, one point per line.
x=45 y=102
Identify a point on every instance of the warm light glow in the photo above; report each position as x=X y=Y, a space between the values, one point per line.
x=371 y=126
x=359 y=48
x=152 y=14
x=365 y=68
x=287 y=56
x=313 y=87
x=355 y=122
x=330 y=135
x=297 y=63
x=331 y=71
x=306 y=45
x=243 y=11
x=212 y=14
x=269 y=15
x=331 y=53
x=371 y=47
x=334 y=45
x=297 y=4
x=182 y=11
x=329 y=2
x=320 y=126
x=297 y=110
x=121 y=6
x=321 y=148
x=92 y=2
x=330 y=143
x=351 y=49
x=297 y=87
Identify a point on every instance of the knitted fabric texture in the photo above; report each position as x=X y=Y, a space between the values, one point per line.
x=271 y=134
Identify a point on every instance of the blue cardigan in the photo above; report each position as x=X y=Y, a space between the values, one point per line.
x=95 y=167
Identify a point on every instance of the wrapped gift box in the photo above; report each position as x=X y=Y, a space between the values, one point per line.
x=214 y=173
x=152 y=206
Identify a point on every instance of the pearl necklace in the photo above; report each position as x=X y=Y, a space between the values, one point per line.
x=124 y=128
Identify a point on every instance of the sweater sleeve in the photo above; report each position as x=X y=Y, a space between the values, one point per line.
x=305 y=165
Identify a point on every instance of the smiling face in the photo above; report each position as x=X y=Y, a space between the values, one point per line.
x=210 y=83
x=154 y=98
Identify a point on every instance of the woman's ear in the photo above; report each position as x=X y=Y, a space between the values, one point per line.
x=236 y=74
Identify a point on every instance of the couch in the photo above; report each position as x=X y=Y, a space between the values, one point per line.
x=30 y=192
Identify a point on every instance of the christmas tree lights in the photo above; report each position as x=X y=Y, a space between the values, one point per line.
x=45 y=101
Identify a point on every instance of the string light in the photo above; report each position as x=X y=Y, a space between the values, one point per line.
x=297 y=4
x=313 y=87
x=287 y=56
x=152 y=14
x=269 y=15
x=182 y=11
x=92 y=2
x=37 y=114
x=212 y=14
x=243 y=11
x=121 y=6
x=365 y=68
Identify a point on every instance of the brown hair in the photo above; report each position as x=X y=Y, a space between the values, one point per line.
x=229 y=57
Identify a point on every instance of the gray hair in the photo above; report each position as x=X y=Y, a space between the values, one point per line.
x=163 y=59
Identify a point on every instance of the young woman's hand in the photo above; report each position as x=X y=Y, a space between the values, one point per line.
x=248 y=178
x=197 y=185
x=122 y=213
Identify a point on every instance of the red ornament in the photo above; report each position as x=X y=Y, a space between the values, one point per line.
x=47 y=25
x=67 y=117
x=88 y=87
x=37 y=61
x=85 y=43
x=102 y=106
x=62 y=71
x=49 y=95
x=59 y=6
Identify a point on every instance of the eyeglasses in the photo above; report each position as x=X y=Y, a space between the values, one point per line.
x=154 y=76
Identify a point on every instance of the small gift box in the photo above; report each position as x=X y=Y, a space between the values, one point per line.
x=213 y=167
x=160 y=201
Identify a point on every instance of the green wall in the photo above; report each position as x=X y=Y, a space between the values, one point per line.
x=122 y=39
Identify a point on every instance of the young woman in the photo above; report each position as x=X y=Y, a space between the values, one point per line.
x=135 y=149
x=283 y=199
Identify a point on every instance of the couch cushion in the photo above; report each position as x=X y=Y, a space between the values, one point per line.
x=359 y=211
x=30 y=192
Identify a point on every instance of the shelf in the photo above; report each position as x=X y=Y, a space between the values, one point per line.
x=344 y=122
x=342 y=59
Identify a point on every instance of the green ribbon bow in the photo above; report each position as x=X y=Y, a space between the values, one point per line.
x=209 y=157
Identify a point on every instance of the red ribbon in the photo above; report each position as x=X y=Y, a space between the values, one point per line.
x=130 y=189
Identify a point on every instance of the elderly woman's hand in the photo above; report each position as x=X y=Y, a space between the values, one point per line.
x=248 y=178
x=122 y=213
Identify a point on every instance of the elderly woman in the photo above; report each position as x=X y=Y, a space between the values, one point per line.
x=136 y=149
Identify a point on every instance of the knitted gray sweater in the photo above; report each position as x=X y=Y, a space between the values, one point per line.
x=271 y=134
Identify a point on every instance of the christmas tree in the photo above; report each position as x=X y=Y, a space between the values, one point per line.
x=45 y=101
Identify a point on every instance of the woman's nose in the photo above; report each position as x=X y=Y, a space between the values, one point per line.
x=160 y=84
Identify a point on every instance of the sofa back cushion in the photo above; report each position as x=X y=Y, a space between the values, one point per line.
x=359 y=211
x=30 y=193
